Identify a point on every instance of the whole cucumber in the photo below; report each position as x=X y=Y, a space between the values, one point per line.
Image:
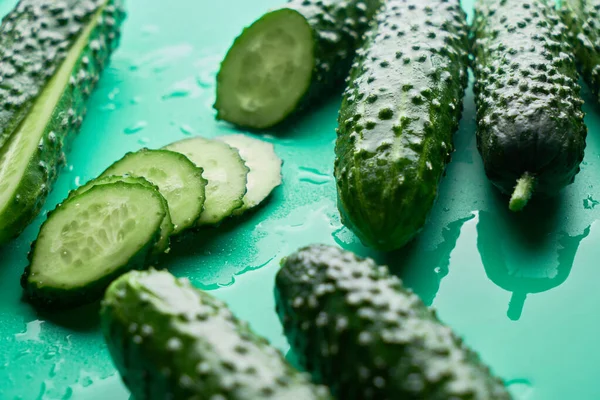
x=356 y=329
x=530 y=129
x=399 y=112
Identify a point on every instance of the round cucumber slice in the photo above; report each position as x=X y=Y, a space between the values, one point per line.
x=225 y=171
x=166 y=228
x=177 y=178
x=267 y=71
x=90 y=240
x=264 y=165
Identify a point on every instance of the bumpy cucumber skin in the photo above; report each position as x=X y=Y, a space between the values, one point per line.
x=338 y=28
x=399 y=113
x=52 y=299
x=529 y=117
x=583 y=20
x=171 y=341
x=356 y=329
x=27 y=75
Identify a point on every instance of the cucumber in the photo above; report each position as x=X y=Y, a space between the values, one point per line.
x=264 y=166
x=51 y=55
x=178 y=179
x=397 y=119
x=91 y=239
x=166 y=228
x=583 y=21
x=289 y=59
x=530 y=129
x=171 y=341
x=225 y=171
x=356 y=329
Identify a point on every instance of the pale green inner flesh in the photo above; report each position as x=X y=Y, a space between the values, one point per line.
x=264 y=165
x=166 y=228
x=94 y=234
x=16 y=154
x=267 y=71
x=179 y=182
x=226 y=174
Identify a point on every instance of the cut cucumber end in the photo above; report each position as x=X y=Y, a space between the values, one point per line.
x=522 y=193
x=264 y=165
x=92 y=238
x=267 y=71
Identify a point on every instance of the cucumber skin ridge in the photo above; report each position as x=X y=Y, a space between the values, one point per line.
x=351 y=322
x=529 y=116
x=50 y=299
x=338 y=28
x=397 y=119
x=66 y=119
x=139 y=324
x=583 y=22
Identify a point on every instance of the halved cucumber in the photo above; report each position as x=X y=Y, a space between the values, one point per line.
x=264 y=165
x=166 y=228
x=267 y=71
x=225 y=171
x=177 y=178
x=90 y=240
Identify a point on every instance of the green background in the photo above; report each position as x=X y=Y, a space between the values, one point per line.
x=467 y=262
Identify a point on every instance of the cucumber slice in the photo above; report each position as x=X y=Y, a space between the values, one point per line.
x=264 y=165
x=166 y=228
x=225 y=171
x=52 y=55
x=267 y=71
x=177 y=178
x=90 y=240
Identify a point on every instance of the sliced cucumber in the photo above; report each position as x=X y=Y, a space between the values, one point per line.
x=225 y=171
x=177 y=178
x=264 y=165
x=90 y=240
x=166 y=228
x=267 y=71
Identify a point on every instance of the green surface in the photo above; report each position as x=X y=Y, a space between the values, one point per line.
x=160 y=88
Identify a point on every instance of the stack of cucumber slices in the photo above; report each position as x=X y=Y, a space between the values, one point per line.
x=124 y=219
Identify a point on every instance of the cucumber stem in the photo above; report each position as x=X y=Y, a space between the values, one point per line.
x=522 y=193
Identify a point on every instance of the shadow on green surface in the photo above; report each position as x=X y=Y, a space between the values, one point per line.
x=81 y=319
x=512 y=244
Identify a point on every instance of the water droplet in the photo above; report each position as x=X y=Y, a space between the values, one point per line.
x=77 y=181
x=178 y=92
x=138 y=126
x=520 y=388
x=113 y=93
x=32 y=332
x=86 y=381
x=590 y=203
x=108 y=107
x=136 y=100
x=186 y=129
x=314 y=176
x=144 y=141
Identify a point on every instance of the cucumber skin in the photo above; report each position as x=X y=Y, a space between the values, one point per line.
x=66 y=119
x=583 y=22
x=350 y=322
x=52 y=300
x=399 y=113
x=338 y=28
x=529 y=116
x=144 y=312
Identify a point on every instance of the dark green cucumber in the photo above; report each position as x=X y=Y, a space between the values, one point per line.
x=530 y=129
x=178 y=179
x=91 y=239
x=289 y=59
x=397 y=119
x=51 y=55
x=583 y=20
x=357 y=330
x=167 y=227
x=171 y=341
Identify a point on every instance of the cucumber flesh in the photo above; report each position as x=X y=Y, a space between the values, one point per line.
x=264 y=165
x=267 y=71
x=90 y=240
x=177 y=178
x=166 y=228
x=225 y=171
